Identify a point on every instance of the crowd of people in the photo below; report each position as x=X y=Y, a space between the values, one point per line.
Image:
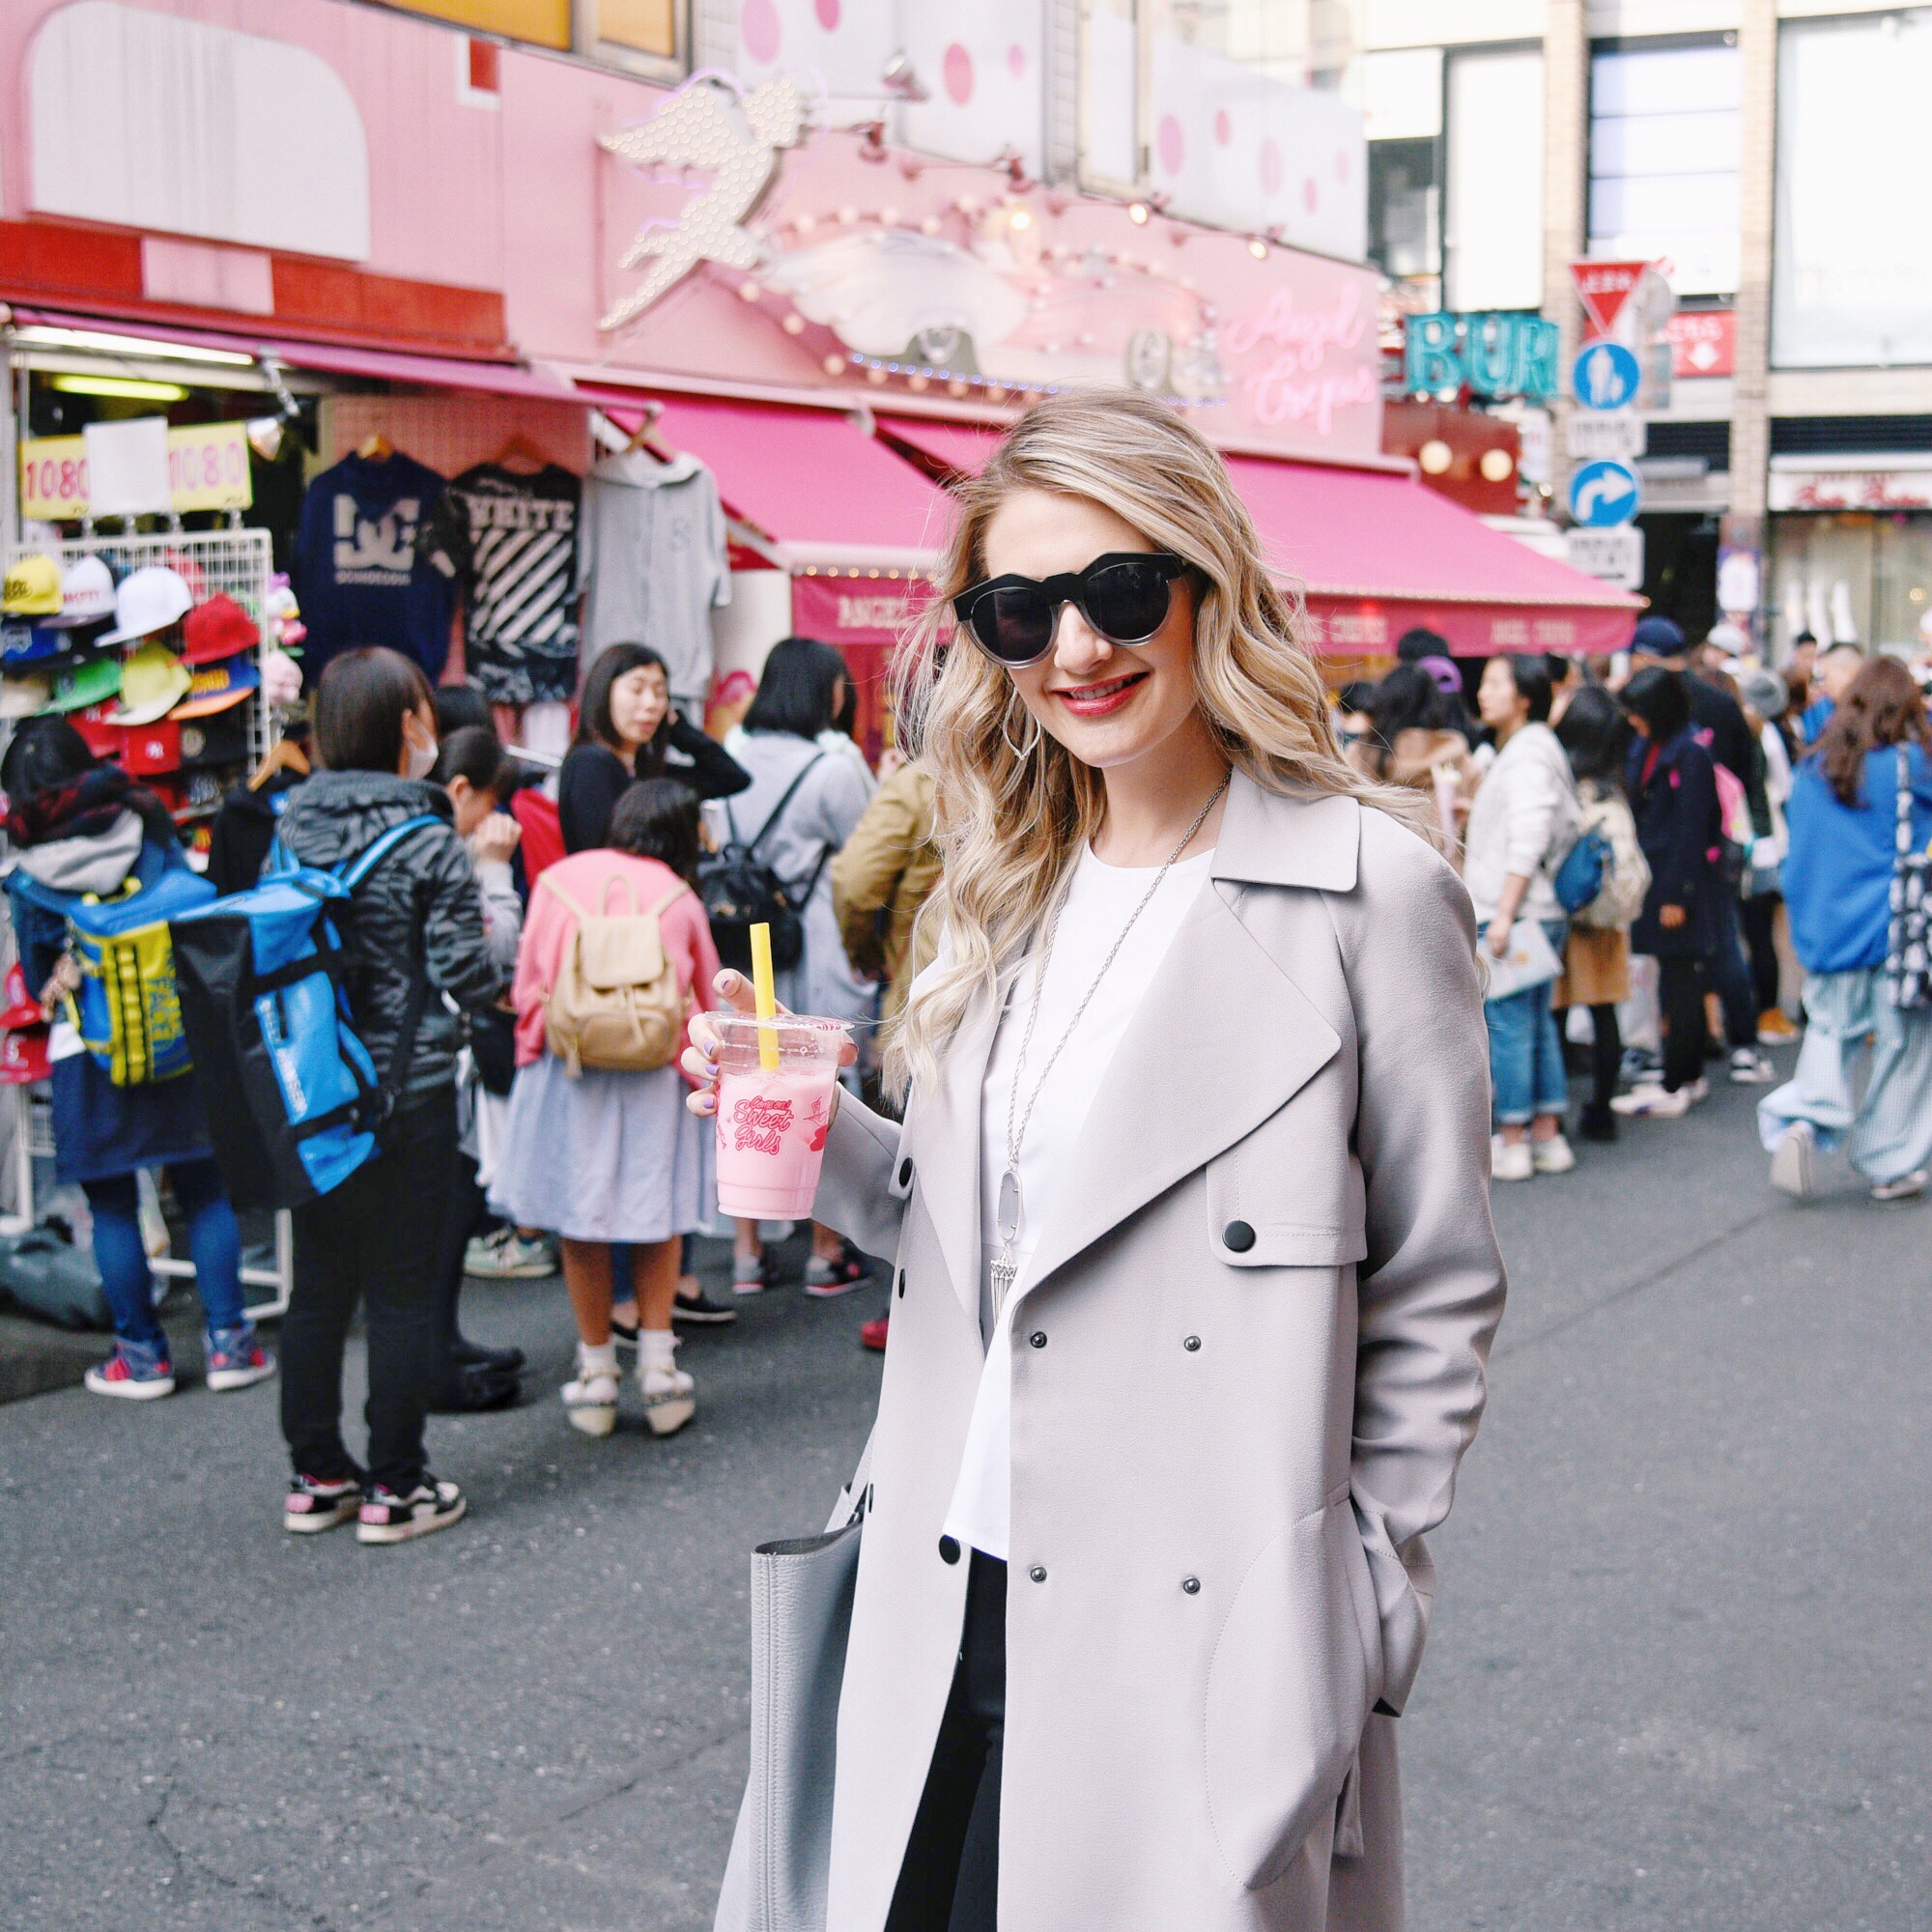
x=503 y=1154
x=1675 y=855
x=1669 y=854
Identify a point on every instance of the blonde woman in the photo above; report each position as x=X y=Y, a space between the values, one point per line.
x=1195 y=1278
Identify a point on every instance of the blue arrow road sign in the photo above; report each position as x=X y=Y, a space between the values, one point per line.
x=1604 y=495
x=1605 y=376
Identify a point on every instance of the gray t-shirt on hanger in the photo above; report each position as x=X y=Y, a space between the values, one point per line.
x=652 y=557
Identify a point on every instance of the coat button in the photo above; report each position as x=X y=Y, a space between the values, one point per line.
x=905 y=1172
x=1038 y=1338
x=1191 y=1585
x=901 y=1284
x=1237 y=1237
x=1037 y=1572
x=1192 y=1345
x=949 y=1549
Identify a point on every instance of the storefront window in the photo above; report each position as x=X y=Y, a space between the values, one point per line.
x=640 y=26
x=1866 y=578
x=1493 y=238
x=543 y=24
x=1405 y=231
x=1852 y=267
x=618 y=28
x=1663 y=159
x=1110 y=137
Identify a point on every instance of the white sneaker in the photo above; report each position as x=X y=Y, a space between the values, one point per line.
x=1511 y=1160
x=1905 y=1189
x=1656 y=1103
x=670 y=1396
x=1554 y=1155
x=591 y=1400
x=1791 y=1163
x=1750 y=1068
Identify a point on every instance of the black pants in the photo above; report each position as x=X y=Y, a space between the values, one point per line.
x=1730 y=977
x=1680 y=994
x=466 y=1213
x=1607 y=1059
x=1759 y=913
x=951 y=1879
x=376 y=1239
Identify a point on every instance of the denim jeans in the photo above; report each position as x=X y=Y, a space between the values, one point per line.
x=213 y=1240
x=1525 y=1052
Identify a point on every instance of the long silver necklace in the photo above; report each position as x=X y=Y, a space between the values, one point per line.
x=1017 y=1121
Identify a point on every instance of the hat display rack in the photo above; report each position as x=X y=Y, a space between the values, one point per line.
x=236 y=563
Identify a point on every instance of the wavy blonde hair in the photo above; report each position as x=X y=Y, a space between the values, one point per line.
x=1009 y=827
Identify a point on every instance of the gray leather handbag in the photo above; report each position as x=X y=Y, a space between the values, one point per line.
x=775 y=1880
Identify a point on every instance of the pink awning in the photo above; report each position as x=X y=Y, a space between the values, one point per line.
x=1378 y=554
x=825 y=492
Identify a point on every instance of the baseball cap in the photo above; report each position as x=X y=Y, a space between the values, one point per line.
x=87 y=594
x=33 y=587
x=22 y=696
x=151 y=682
x=148 y=600
x=1658 y=637
x=81 y=685
x=217 y=629
x=22 y=1010
x=28 y=644
x=216 y=687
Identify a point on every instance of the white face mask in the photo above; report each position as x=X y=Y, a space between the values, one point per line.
x=423 y=759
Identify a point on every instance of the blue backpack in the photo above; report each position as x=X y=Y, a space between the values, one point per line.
x=294 y=1101
x=1581 y=876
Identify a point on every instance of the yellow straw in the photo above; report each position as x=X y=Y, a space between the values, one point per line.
x=764 y=992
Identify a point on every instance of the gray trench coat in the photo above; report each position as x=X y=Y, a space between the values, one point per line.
x=1250 y=1360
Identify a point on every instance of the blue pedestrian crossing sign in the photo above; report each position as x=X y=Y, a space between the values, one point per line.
x=1604 y=495
x=1605 y=376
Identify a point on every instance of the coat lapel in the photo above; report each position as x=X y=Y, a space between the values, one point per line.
x=943 y=1136
x=1222 y=1040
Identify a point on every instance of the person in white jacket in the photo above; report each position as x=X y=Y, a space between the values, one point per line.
x=1522 y=824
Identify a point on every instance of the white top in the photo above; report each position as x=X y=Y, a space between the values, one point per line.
x=1524 y=813
x=1099 y=902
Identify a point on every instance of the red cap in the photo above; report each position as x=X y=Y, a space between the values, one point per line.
x=22 y=1009
x=217 y=629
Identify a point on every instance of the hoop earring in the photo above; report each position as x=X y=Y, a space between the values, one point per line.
x=1022 y=754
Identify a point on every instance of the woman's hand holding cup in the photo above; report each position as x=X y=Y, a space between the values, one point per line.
x=700 y=1060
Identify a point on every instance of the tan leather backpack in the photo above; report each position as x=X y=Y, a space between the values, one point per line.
x=616 y=1004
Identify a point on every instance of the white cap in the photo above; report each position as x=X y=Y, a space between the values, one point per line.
x=148 y=600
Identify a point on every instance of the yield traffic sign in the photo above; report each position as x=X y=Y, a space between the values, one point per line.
x=1604 y=495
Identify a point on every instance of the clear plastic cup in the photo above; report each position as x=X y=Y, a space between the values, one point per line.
x=772 y=1121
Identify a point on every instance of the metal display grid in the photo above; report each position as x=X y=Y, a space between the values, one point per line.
x=238 y=562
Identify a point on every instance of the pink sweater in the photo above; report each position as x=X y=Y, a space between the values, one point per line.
x=549 y=926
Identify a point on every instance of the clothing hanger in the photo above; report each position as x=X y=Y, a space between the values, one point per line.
x=284 y=756
x=520 y=446
x=376 y=448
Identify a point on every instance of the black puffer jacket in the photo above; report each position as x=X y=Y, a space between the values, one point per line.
x=419 y=909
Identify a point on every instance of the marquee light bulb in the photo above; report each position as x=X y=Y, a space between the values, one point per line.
x=1137 y=213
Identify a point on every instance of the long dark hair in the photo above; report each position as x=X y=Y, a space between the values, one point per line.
x=475 y=752
x=1407 y=699
x=594 y=714
x=1596 y=734
x=1661 y=698
x=1883 y=707
x=657 y=818
x=360 y=706
x=797 y=688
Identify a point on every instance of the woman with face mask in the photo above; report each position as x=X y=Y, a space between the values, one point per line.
x=415 y=935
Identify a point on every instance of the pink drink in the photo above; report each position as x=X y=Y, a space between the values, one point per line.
x=772 y=1121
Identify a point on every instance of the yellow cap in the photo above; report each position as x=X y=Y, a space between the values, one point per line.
x=33 y=587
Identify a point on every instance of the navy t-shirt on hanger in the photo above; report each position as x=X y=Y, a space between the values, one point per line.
x=361 y=573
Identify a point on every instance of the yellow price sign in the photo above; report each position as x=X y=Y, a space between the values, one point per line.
x=208 y=469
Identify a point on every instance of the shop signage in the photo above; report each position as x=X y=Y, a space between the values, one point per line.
x=1604 y=495
x=1615 y=555
x=208 y=469
x=1703 y=342
x=1492 y=355
x=1605 y=376
x=1846 y=489
x=1612 y=433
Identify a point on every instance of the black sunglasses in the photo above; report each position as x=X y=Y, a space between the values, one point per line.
x=1123 y=596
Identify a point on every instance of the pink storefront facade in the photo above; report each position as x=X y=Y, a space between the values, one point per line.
x=320 y=179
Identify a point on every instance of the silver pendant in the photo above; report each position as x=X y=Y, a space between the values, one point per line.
x=1003 y=1271
x=1009 y=1217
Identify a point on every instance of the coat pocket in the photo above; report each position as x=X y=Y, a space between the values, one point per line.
x=1289 y=1690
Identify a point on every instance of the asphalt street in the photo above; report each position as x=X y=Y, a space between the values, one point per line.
x=1679 y=1675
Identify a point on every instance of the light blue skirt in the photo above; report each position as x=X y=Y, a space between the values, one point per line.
x=606 y=1157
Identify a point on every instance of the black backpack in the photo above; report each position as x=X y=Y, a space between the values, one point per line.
x=740 y=891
